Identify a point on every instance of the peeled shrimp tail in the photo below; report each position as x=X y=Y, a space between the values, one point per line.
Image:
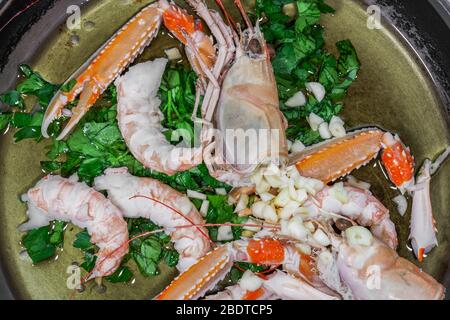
x=140 y=119
x=192 y=243
x=56 y=198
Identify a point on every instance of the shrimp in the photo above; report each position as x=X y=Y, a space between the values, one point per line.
x=278 y=285
x=359 y=205
x=108 y=62
x=140 y=119
x=57 y=198
x=124 y=190
x=208 y=271
x=376 y=272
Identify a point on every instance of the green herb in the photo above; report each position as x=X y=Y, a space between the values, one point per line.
x=41 y=243
x=220 y=212
x=301 y=57
x=28 y=123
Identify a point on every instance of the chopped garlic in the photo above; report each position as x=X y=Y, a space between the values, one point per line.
x=296 y=229
x=314 y=121
x=324 y=131
x=221 y=191
x=282 y=198
x=242 y=203
x=358 y=236
x=266 y=197
x=291 y=208
x=337 y=128
x=270 y=214
x=204 y=208
x=274 y=181
x=224 y=233
x=317 y=90
x=173 y=54
x=297 y=147
x=321 y=238
x=196 y=195
x=339 y=193
x=256 y=177
x=258 y=209
x=250 y=281
x=262 y=187
x=304 y=248
x=297 y=100
x=402 y=204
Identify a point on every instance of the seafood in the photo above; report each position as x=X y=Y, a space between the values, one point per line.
x=376 y=272
x=124 y=191
x=423 y=229
x=204 y=275
x=359 y=205
x=278 y=285
x=139 y=118
x=332 y=159
x=249 y=108
x=57 y=198
x=105 y=65
x=361 y=267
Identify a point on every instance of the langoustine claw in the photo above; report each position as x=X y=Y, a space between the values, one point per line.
x=136 y=197
x=208 y=271
x=105 y=65
x=57 y=198
x=423 y=229
x=398 y=162
x=330 y=160
x=92 y=79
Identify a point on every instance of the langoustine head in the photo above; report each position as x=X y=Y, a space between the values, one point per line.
x=251 y=127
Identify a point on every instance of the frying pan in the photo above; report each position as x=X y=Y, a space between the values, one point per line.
x=421 y=26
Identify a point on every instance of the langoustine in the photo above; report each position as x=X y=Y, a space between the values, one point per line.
x=374 y=271
x=105 y=65
x=332 y=159
x=149 y=198
x=278 y=285
x=359 y=205
x=57 y=198
x=213 y=267
x=423 y=230
x=139 y=118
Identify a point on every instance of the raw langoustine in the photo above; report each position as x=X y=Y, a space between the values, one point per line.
x=136 y=198
x=105 y=65
x=359 y=205
x=57 y=198
x=139 y=118
x=208 y=271
x=332 y=159
x=374 y=271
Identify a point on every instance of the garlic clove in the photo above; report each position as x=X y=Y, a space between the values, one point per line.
x=297 y=100
x=324 y=131
x=317 y=89
x=358 y=236
x=314 y=121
